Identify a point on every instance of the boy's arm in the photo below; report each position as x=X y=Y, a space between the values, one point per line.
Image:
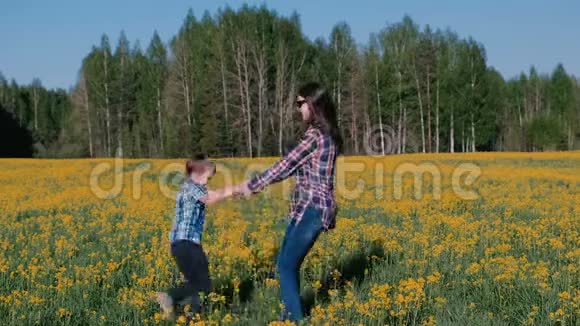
x=214 y=196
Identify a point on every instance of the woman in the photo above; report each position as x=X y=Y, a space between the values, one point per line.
x=313 y=208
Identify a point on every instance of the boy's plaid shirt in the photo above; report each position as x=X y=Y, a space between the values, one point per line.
x=189 y=213
x=313 y=162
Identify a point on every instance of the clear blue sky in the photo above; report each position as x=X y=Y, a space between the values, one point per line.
x=48 y=39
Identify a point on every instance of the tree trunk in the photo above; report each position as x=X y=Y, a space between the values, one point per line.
x=138 y=148
x=243 y=82
x=14 y=108
x=183 y=75
x=99 y=151
x=400 y=131
x=107 y=109
x=451 y=135
x=429 y=111
x=159 y=122
x=526 y=105
x=248 y=101
x=293 y=92
x=366 y=118
x=400 y=123
x=404 y=130
x=120 y=110
x=225 y=98
x=437 y=118
x=521 y=131
x=570 y=137
x=379 y=111
x=463 y=137
x=89 y=127
x=472 y=134
x=260 y=61
x=280 y=105
x=367 y=125
x=187 y=91
x=35 y=101
x=420 y=110
x=467 y=127
x=537 y=106
x=339 y=90
x=353 y=128
x=281 y=58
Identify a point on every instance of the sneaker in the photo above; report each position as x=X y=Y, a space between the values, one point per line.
x=166 y=305
x=283 y=315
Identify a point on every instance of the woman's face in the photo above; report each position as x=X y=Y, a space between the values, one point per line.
x=303 y=107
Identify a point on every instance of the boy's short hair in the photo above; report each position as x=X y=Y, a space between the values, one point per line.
x=199 y=164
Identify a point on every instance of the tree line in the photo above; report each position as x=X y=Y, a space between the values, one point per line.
x=226 y=84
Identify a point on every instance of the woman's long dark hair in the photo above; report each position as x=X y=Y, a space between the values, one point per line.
x=323 y=111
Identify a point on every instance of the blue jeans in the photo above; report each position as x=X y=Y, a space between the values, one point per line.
x=298 y=240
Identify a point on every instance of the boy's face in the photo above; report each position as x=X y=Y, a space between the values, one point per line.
x=204 y=177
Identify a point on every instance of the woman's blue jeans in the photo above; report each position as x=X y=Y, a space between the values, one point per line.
x=298 y=240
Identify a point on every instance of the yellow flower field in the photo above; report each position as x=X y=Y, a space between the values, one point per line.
x=481 y=239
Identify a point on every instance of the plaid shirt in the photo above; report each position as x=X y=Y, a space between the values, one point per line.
x=189 y=213
x=313 y=163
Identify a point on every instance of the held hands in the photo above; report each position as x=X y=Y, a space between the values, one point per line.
x=241 y=190
x=237 y=191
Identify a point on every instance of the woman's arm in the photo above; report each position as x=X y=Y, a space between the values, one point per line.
x=286 y=166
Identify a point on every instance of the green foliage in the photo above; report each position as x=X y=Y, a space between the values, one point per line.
x=226 y=82
x=546 y=133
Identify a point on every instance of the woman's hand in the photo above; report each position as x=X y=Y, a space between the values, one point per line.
x=242 y=190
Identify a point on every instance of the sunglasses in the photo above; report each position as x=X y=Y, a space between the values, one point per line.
x=299 y=103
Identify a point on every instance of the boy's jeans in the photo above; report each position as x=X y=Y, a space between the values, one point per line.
x=298 y=240
x=193 y=264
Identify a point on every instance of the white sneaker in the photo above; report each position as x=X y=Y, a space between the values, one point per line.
x=166 y=305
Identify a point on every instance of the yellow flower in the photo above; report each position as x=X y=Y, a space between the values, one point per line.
x=520 y=232
x=272 y=283
x=181 y=320
x=317 y=285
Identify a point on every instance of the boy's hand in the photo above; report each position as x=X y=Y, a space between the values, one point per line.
x=242 y=191
x=231 y=191
x=228 y=190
